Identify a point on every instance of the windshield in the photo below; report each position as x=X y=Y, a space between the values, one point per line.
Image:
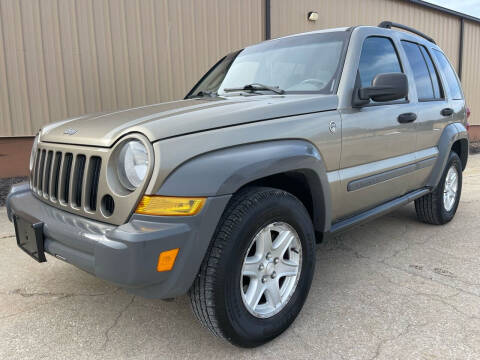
x=298 y=64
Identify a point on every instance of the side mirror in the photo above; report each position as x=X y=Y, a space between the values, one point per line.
x=385 y=87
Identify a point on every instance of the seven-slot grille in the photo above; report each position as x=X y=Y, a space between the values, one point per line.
x=66 y=178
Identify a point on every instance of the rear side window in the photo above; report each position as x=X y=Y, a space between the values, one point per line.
x=426 y=79
x=450 y=76
x=437 y=84
x=378 y=56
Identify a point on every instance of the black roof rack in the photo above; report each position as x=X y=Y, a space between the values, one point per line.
x=389 y=25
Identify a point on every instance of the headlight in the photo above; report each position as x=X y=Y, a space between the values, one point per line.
x=132 y=164
x=34 y=151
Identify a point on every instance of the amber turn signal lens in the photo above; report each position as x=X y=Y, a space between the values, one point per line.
x=169 y=206
x=166 y=260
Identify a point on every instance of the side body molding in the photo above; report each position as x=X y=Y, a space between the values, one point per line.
x=224 y=171
x=451 y=133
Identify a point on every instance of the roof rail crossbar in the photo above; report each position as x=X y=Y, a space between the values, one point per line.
x=390 y=24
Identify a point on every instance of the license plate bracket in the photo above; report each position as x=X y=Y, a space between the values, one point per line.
x=29 y=233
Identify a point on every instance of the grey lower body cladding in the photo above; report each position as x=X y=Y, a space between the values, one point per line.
x=126 y=255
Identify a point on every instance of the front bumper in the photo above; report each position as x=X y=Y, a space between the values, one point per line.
x=126 y=255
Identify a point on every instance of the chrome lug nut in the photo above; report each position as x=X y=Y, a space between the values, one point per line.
x=269 y=256
x=274 y=275
x=264 y=279
x=261 y=267
x=276 y=261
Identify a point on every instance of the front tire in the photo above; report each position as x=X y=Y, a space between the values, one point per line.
x=258 y=270
x=440 y=206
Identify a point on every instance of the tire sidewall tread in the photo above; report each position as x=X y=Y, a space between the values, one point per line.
x=430 y=208
x=223 y=311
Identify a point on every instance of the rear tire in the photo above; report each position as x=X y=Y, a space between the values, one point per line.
x=440 y=206
x=219 y=294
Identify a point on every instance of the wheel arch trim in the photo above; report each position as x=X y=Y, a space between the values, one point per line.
x=450 y=135
x=224 y=171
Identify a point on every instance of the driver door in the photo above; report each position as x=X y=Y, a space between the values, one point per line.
x=377 y=150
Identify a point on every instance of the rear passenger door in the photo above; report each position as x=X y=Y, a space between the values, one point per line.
x=452 y=87
x=431 y=102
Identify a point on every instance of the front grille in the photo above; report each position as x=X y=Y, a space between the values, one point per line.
x=48 y=169
x=78 y=180
x=56 y=173
x=66 y=178
x=67 y=168
x=92 y=181
x=82 y=180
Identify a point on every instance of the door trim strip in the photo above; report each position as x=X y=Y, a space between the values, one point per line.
x=389 y=174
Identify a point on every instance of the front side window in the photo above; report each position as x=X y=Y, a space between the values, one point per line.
x=297 y=64
x=447 y=70
x=426 y=79
x=378 y=56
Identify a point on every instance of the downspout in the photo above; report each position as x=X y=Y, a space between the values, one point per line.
x=460 y=48
x=268 y=25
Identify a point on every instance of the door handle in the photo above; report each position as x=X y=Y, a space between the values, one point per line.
x=407 y=118
x=446 y=112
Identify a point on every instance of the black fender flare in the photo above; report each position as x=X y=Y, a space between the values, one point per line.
x=452 y=133
x=224 y=171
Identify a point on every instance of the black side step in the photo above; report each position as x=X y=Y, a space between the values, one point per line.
x=378 y=211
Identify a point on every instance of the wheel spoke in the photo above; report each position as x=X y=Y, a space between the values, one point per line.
x=282 y=242
x=264 y=243
x=250 y=267
x=447 y=187
x=272 y=293
x=453 y=176
x=454 y=185
x=254 y=293
x=287 y=268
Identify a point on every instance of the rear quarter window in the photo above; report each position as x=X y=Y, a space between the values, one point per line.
x=450 y=76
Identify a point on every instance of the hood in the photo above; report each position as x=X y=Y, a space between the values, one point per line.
x=176 y=118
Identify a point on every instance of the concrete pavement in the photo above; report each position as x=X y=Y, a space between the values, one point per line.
x=391 y=289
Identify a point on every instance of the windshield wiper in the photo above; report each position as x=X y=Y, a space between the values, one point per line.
x=255 y=87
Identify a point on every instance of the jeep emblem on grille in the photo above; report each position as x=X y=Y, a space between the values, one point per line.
x=70 y=131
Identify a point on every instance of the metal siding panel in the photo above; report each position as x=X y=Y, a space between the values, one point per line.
x=5 y=117
x=134 y=45
x=15 y=67
x=34 y=64
x=104 y=50
x=163 y=51
x=53 y=61
x=62 y=58
x=289 y=17
x=471 y=75
x=120 y=54
x=71 y=62
x=149 y=51
x=87 y=55
x=176 y=37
